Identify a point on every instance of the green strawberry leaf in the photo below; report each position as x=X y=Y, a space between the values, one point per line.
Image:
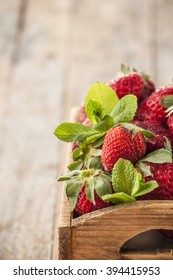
x=146 y=170
x=77 y=154
x=146 y=188
x=96 y=152
x=95 y=163
x=77 y=165
x=167 y=101
x=94 y=111
x=118 y=198
x=125 y=109
x=73 y=188
x=124 y=176
x=90 y=190
x=69 y=175
x=70 y=132
x=167 y=145
x=102 y=185
x=105 y=124
x=103 y=95
x=158 y=156
x=135 y=129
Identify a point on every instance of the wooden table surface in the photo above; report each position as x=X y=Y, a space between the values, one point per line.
x=50 y=54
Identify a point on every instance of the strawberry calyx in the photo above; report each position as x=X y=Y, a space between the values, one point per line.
x=95 y=180
x=167 y=102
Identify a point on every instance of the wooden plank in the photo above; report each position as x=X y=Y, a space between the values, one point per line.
x=165 y=45
x=9 y=16
x=137 y=217
x=30 y=155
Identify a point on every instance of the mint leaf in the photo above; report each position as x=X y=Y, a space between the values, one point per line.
x=102 y=94
x=124 y=176
x=118 y=198
x=94 y=111
x=158 y=156
x=96 y=138
x=105 y=124
x=70 y=132
x=146 y=188
x=125 y=109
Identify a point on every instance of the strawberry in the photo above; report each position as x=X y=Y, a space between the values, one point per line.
x=149 y=88
x=163 y=174
x=152 y=109
x=84 y=205
x=119 y=143
x=158 y=130
x=170 y=123
x=131 y=83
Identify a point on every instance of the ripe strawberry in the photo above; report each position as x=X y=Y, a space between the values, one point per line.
x=163 y=174
x=84 y=205
x=131 y=83
x=152 y=109
x=149 y=88
x=119 y=143
x=170 y=123
x=160 y=132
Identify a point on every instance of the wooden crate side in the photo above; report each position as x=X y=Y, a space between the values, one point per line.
x=100 y=235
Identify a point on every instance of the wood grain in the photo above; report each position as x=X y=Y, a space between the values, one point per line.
x=100 y=234
x=30 y=155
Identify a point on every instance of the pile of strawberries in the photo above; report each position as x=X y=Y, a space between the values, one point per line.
x=119 y=141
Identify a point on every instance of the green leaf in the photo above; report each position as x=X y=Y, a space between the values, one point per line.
x=118 y=198
x=74 y=186
x=158 y=156
x=75 y=165
x=70 y=132
x=124 y=176
x=167 y=101
x=77 y=154
x=68 y=175
x=167 y=145
x=146 y=188
x=98 y=137
x=105 y=124
x=102 y=185
x=95 y=163
x=103 y=95
x=90 y=190
x=94 y=111
x=96 y=152
x=125 y=109
x=146 y=170
x=135 y=129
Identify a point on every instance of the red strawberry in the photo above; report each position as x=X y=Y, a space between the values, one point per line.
x=84 y=205
x=131 y=83
x=170 y=123
x=149 y=88
x=119 y=143
x=152 y=109
x=163 y=174
x=160 y=132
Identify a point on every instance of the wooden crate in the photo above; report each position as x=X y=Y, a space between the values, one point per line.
x=102 y=233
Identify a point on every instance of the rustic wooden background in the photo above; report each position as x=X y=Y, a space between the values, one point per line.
x=50 y=54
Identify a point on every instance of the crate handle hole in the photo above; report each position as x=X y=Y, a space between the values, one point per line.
x=146 y=241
